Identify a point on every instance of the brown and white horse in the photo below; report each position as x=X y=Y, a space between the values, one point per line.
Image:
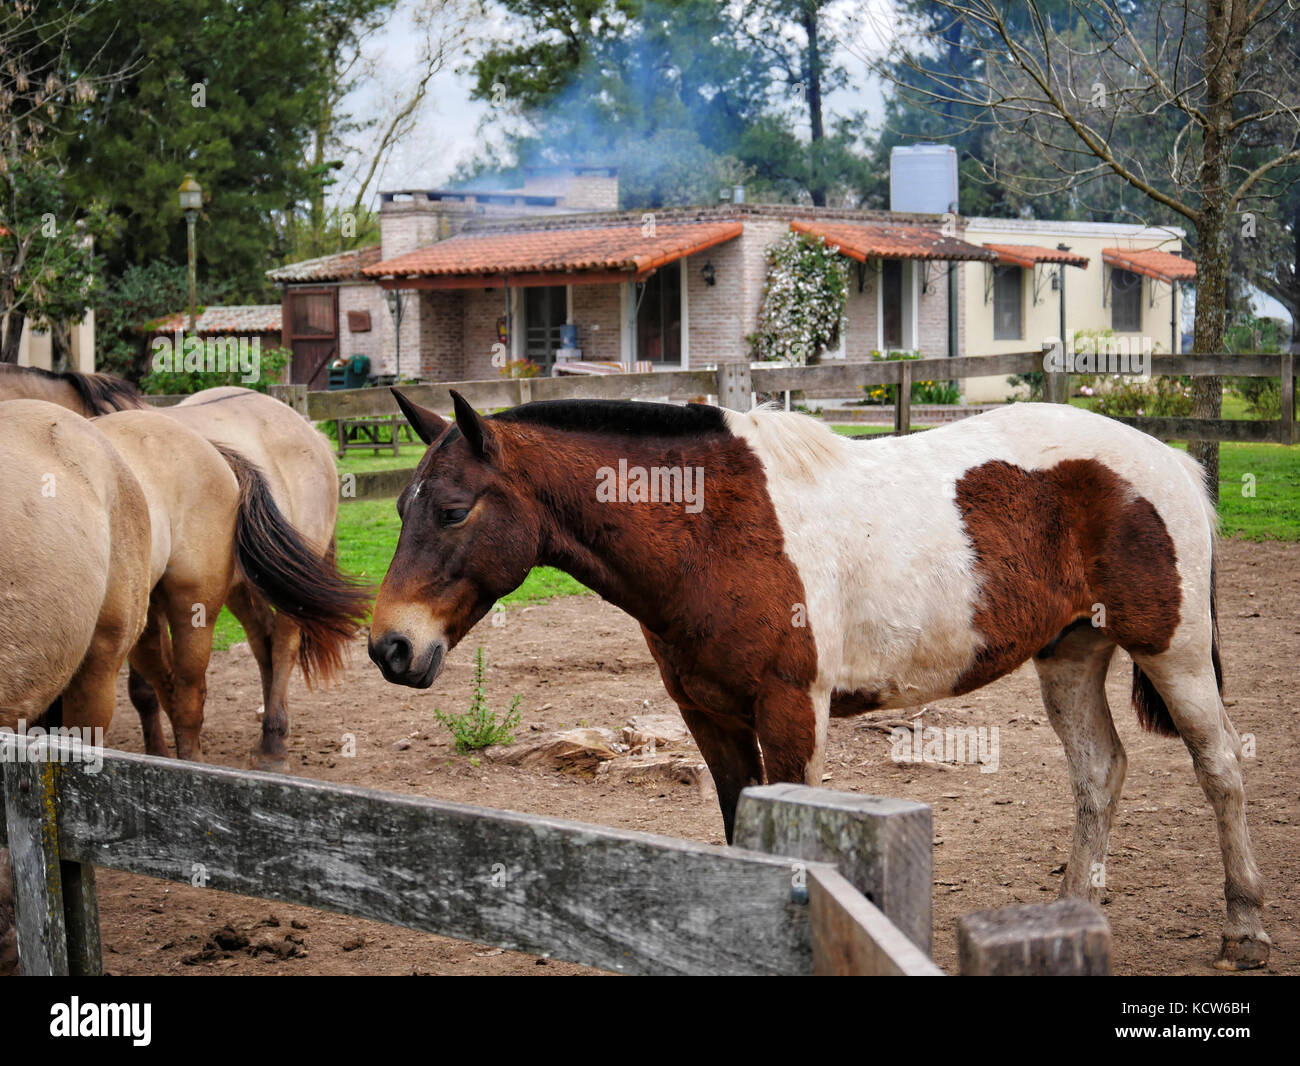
x=301 y=481
x=822 y=577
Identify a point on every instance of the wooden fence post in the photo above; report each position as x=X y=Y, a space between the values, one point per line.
x=882 y=846
x=851 y=937
x=1068 y=938
x=1287 y=397
x=294 y=395
x=735 y=389
x=30 y=821
x=903 y=401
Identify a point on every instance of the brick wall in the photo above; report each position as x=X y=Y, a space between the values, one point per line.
x=481 y=309
x=365 y=296
x=597 y=310
x=441 y=335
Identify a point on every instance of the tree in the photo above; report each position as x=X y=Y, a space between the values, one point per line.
x=229 y=92
x=795 y=39
x=47 y=271
x=1089 y=89
x=47 y=267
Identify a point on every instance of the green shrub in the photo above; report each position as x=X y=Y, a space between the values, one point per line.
x=805 y=299
x=479 y=727
x=922 y=391
x=1161 y=397
x=181 y=382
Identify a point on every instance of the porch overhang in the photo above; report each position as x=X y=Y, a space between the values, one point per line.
x=576 y=255
x=1151 y=263
x=892 y=240
x=1030 y=255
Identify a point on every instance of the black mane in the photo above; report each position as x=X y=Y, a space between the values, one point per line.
x=627 y=417
x=100 y=394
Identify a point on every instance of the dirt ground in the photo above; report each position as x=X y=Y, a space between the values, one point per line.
x=1000 y=837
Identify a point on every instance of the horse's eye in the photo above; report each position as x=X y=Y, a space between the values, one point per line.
x=453 y=516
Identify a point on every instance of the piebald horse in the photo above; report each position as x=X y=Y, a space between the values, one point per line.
x=299 y=472
x=823 y=577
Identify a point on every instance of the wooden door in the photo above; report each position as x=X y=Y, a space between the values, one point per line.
x=311 y=318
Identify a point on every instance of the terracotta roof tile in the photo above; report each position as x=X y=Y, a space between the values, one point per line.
x=1027 y=255
x=624 y=249
x=250 y=318
x=890 y=240
x=328 y=267
x=1151 y=263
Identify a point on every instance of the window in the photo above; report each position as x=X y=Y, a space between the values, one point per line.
x=545 y=311
x=1125 y=301
x=659 y=316
x=1008 y=303
x=891 y=303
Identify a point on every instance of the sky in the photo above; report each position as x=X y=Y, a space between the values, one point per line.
x=448 y=133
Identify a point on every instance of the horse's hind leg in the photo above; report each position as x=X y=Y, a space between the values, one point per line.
x=192 y=613
x=1072 y=677
x=259 y=623
x=149 y=682
x=1188 y=686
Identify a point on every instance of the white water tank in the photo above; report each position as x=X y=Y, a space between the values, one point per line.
x=923 y=178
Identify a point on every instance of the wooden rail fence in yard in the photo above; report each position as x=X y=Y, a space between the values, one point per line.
x=735 y=384
x=824 y=882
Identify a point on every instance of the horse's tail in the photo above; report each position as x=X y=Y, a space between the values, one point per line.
x=1152 y=713
x=294 y=578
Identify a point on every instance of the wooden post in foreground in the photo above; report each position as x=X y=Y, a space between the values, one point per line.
x=903 y=401
x=294 y=395
x=1068 y=938
x=882 y=846
x=735 y=388
x=851 y=937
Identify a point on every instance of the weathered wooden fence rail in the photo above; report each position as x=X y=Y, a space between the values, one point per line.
x=827 y=882
x=735 y=385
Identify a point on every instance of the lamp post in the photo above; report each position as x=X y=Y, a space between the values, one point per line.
x=395 y=309
x=190 y=195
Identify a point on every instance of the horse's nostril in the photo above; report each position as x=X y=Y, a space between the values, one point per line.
x=394 y=653
x=399 y=654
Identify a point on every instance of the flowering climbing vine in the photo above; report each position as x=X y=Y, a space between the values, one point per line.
x=804 y=300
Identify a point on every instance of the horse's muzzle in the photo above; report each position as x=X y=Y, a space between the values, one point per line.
x=397 y=661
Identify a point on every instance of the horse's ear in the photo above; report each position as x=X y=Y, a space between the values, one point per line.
x=471 y=425
x=428 y=425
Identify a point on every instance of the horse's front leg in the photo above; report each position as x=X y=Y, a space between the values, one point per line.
x=791 y=726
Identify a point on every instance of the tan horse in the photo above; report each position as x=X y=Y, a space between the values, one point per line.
x=301 y=482
x=215 y=528
x=74 y=580
x=75 y=565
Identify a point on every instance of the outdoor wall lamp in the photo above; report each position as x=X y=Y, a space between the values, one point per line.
x=707 y=272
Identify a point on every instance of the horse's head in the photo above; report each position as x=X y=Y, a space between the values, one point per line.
x=470 y=534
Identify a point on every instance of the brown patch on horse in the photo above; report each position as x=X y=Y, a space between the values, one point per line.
x=847 y=704
x=1049 y=544
x=294 y=578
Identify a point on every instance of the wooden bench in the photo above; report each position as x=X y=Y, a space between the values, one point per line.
x=362 y=433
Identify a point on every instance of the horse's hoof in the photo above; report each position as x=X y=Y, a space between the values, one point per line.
x=273 y=761
x=1243 y=952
